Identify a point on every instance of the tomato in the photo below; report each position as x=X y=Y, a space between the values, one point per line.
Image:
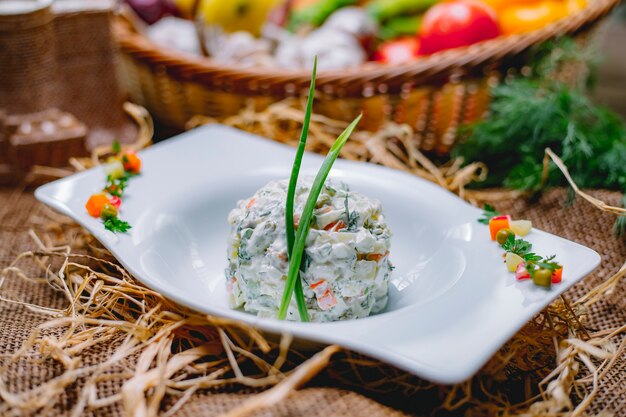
x=456 y=23
x=533 y=16
x=557 y=276
x=397 y=51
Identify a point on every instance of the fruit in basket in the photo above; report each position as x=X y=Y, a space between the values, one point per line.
x=387 y=9
x=456 y=23
x=334 y=48
x=241 y=15
x=183 y=8
x=148 y=10
x=355 y=21
x=499 y=5
x=397 y=51
x=575 y=5
x=533 y=16
x=314 y=13
x=400 y=26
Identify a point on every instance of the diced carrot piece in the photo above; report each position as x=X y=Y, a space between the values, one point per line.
x=95 y=203
x=557 y=276
x=131 y=162
x=230 y=284
x=327 y=300
x=498 y=223
x=334 y=226
x=317 y=284
x=250 y=203
x=371 y=256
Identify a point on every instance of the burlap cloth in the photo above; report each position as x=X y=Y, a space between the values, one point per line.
x=581 y=223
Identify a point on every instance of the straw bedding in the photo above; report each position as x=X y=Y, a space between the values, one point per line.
x=69 y=367
x=80 y=336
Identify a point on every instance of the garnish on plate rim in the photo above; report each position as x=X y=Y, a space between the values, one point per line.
x=518 y=253
x=296 y=244
x=106 y=204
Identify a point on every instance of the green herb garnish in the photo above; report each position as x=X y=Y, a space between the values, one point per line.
x=528 y=115
x=352 y=219
x=547 y=263
x=307 y=216
x=116 y=147
x=488 y=213
x=114 y=224
x=519 y=247
x=116 y=186
x=532 y=261
x=291 y=192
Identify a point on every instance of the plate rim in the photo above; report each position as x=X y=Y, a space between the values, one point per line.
x=306 y=330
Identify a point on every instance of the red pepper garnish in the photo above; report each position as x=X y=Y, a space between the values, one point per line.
x=498 y=223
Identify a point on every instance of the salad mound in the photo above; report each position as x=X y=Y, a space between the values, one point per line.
x=345 y=268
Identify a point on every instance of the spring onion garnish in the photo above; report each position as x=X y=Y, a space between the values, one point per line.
x=291 y=192
x=307 y=216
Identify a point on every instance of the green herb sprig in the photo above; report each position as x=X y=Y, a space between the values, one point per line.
x=291 y=192
x=489 y=212
x=115 y=187
x=307 y=216
x=521 y=248
x=528 y=115
x=352 y=218
x=115 y=224
x=532 y=261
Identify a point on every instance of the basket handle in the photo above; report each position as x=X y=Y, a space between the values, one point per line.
x=200 y=27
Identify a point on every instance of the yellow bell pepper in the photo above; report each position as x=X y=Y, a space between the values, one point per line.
x=520 y=19
x=499 y=5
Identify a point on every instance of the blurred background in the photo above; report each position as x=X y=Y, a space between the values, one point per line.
x=433 y=68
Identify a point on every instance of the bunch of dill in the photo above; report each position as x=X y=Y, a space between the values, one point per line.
x=529 y=114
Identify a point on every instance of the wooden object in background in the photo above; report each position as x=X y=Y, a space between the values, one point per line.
x=27 y=56
x=58 y=55
x=86 y=69
x=61 y=55
x=49 y=138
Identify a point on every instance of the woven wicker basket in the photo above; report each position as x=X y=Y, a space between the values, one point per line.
x=434 y=94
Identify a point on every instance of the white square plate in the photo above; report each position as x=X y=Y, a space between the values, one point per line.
x=452 y=302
